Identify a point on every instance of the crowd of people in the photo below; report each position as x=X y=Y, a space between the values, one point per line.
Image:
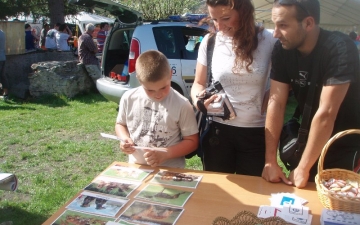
x=244 y=59
x=252 y=66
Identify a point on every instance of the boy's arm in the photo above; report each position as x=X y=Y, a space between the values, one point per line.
x=187 y=145
x=123 y=133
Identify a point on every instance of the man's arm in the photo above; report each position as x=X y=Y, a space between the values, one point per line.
x=320 y=131
x=279 y=93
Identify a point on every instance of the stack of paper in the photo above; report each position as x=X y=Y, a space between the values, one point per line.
x=333 y=217
x=8 y=182
x=288 y=207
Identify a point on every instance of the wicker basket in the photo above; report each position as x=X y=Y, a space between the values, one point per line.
x=329 y=199
x=249 y=218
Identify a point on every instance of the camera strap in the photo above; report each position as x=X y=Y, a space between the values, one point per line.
x=209 y=55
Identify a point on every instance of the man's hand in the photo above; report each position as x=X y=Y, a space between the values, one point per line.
x=155 y=158
x=299 y=177
x=272 y=172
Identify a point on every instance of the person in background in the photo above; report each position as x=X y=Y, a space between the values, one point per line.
x=101 y=36
x=353 y=37
x=3 y=79
x=241 y=63
x=50 y=39
x=62 y=38
x=30 y=38
x=336 y=101
x=155 y=115
x=43 y=33
x=87 y=52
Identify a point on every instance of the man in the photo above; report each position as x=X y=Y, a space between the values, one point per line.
x=3 y=79
x=337 y=97
x=30 y=38
x=101 y=36
x=50 y=39
x=87 y=53
x=353 y=37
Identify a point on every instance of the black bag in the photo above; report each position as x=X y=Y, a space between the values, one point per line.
x=203 y=120
x=289 y=148
x=203 y=123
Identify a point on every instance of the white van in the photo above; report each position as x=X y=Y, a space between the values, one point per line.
x=130 y=37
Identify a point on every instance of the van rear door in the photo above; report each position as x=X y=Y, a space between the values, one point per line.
x=123 y=13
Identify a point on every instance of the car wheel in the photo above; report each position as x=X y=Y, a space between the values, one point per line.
x=177 y=88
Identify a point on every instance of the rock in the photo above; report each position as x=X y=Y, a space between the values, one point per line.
x=59 y=77
x=20 y=90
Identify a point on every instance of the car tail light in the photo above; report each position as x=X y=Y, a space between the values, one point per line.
x=134 y=54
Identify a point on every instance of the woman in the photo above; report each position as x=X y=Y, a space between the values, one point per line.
x=62 y=38
x=43 y=33
x=241 y=63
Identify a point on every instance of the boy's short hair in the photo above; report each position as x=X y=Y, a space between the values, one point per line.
x=152 y=66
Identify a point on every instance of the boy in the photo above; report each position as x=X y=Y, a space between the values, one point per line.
x=155 y=115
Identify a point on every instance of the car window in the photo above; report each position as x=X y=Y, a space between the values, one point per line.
x=165 y=42
x=120 y=40
x=192 y=37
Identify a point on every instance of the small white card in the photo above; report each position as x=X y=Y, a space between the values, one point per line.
x=298 y=215
x=282 y=199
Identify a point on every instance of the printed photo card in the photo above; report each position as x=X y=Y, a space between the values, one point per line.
x=127 y=173
x=150 y=214
x=164 y=195
x=72 y=217
x=97 y=204
x=112 y=186
x=176 y=179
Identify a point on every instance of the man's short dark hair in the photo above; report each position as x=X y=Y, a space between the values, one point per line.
x=102 y=25
x=27 y=26
x=353 y=35
x=57 y=24
x=304 y=8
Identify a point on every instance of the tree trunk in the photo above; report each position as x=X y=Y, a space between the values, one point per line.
x=56 y=10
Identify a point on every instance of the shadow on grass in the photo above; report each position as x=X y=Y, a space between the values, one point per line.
x=90 y=98
x=55 y=101
x=12 y=213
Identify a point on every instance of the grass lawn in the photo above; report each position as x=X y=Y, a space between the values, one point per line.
x=54 y=146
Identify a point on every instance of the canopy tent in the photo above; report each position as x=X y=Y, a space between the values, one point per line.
x=84 y=17
x=342 y=15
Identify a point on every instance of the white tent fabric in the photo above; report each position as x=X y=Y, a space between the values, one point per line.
x=342 y=15
x=84 y=17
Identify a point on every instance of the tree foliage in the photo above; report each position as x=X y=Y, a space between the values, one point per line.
x=162 y=9
x=56 y=10
x=39 y=9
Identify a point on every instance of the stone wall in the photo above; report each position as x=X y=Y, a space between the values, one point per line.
x=18 y=68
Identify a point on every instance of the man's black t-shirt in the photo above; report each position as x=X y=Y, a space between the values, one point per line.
x=338 y=63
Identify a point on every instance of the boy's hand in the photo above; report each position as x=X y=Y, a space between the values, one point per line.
x=126 y=146
x=155 y=158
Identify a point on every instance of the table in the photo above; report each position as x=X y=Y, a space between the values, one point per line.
x=220 y=194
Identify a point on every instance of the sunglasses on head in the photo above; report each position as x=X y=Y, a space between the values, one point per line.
x=294 y=2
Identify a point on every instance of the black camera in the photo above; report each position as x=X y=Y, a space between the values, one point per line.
x=223 y=108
